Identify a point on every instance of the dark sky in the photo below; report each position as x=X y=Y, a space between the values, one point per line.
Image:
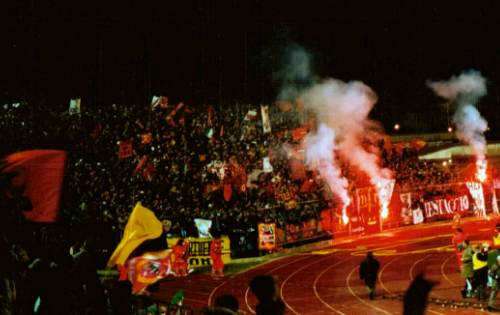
x=219 y=51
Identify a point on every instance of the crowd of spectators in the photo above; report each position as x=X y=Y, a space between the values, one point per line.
x=186 y=163
x=412 y=173
x=182 y=162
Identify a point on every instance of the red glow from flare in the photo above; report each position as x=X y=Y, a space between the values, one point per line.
x=384 y=213
x=481 y=166
x=345 y=218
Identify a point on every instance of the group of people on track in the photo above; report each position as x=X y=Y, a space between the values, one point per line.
x=479 y=265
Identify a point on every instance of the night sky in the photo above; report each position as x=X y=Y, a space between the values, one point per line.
x=222 y=52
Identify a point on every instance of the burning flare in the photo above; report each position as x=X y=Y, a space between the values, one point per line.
x=481 y=166
x=345 y=218
x=384 y=193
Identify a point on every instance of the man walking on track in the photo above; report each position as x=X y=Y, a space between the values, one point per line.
x=368 y=271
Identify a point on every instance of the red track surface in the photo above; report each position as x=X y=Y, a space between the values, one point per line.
x=326 y=282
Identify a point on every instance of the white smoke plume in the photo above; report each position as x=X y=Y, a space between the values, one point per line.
x=296 y=73
x=320 y=155
x=470 y=129
x=342 y=125
x=344 y=107
x=465 y=90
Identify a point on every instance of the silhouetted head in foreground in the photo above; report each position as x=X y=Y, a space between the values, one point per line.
x=228 y=301
x=264 y=288
x=415 y=299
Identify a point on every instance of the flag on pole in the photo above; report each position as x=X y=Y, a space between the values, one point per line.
x=266 y=122
x=147 y=269
x=125 y=149
x=251 y=115
x=159 y=101
x=40 y=173
x=146 y=138
x=142 y=225
x=74 y=106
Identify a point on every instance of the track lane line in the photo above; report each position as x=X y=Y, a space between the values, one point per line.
x=347 y=280
x=212 y=293
x=270 y=271
x=291 y=275
x=381 y=273
x=316 y=282
x=444 y=274
x=412 y=278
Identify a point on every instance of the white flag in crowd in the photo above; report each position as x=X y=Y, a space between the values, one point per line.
x=203 y=226
x=266 y=165
x=74 y=106
x=161 y=101
x=251 y=115
x=266 y=122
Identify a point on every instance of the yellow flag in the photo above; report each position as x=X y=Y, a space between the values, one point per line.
x=142 y=225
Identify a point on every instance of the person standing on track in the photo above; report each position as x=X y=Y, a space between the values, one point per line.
x=181 y=253
x=480 y=265
x=458 y=244
x=494 y=273
x=368 y=271
x=496 y=237
x=216 y=256
x=456 y=223
x=467 y=269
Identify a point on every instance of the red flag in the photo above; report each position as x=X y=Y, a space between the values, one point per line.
x=140 y=164
x=149 y=171
x=97 y=131
x=228 y=192
x=210 y=116
x=125 y=149
x=146 y=138
x=299 y=133
x=41 y=173
x=148 y=268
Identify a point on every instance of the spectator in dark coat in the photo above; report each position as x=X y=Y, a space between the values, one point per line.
x=415 y=298
x=368 y=271
x=264 y=288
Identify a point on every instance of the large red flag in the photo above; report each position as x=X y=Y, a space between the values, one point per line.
x=41 y=173
x=148 y=268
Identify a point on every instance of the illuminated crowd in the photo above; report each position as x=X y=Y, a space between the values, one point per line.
x=183 y=163
x=186 y=162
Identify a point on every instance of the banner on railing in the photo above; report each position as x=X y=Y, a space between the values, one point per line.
x=477 y=194
x=446 y=207
x=267 y=236
x=199 y=250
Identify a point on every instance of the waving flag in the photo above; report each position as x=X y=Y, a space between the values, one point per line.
x=142 y=225
x=74 y=106
x=40 y=173
x=147 y=269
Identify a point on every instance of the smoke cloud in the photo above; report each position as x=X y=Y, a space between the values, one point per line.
x=344 y=108
x=320 y=155
x=342 y=125
x=296 y=74
x=465 y=91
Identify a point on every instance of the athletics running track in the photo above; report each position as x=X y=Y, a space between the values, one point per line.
x=326 y=281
